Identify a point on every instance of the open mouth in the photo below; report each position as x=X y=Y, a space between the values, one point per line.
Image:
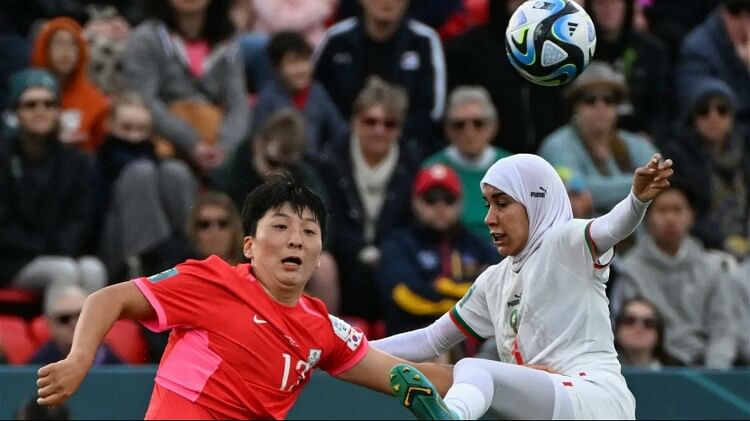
x=294 y=260
x=498 y=237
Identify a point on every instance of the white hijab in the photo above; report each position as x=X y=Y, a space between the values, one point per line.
x=531 y=181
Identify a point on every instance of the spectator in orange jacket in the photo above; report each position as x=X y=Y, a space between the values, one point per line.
x=60 y=48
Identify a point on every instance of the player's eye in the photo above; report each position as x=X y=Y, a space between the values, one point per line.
x=280 y=226
x=310 y=232
x=486 y=204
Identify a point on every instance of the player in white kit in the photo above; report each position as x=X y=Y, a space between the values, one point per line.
x=545 y=304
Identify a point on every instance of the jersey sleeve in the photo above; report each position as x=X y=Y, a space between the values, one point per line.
x=471 y=314
x=184 y=296
x=575 y=237
x=348 y=347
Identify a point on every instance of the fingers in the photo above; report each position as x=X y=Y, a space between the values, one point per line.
x=654 y=162
x=54 y=399
x=48 y=390
x=43 y=381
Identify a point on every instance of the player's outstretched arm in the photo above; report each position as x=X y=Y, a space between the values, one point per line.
x=56 y=382
x=375 y=368
x=648 y=181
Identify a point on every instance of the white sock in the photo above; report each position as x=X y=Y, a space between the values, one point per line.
x=467 y=401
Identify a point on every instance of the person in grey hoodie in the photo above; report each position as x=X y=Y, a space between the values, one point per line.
x=688 y=284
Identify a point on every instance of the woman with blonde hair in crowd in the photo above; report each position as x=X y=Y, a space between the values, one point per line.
x=215 y=228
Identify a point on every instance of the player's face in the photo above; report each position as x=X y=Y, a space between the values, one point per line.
x=670 y=218
x=286 y=248
x=507 y=221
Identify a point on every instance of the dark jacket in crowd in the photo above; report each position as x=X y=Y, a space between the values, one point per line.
x=358 y=292
x=643 y=60
x=707 y=51
x=412 y=58
x=424 y=273
x=45 y=205
x=528 y=112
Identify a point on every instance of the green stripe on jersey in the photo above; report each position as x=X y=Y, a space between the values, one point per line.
x=466 y=327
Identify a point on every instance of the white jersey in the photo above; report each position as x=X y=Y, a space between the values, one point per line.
x=554 y=312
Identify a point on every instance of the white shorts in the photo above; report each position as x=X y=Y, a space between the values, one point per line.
x=592 y=400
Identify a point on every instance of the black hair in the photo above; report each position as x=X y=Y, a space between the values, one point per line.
x=218 y=26
x=287 y=42
x=278 y=190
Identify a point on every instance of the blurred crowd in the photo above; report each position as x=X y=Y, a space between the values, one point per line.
x=132 y=131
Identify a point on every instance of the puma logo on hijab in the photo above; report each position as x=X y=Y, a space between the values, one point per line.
x=541 y=193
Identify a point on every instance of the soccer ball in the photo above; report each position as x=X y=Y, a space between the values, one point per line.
x=550 y=42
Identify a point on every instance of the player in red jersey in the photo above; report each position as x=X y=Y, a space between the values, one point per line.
x=244 y=339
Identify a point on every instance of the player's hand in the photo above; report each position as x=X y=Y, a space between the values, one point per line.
x=58 y=381
x=652 y=179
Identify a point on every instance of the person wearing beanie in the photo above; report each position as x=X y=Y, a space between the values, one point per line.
x=712 y=155
x=61 y=49
x=44 y=194
x=591 y=145
x=427 y=267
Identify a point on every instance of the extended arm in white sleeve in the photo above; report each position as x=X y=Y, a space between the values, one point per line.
x=608 y=230
x=423 y=344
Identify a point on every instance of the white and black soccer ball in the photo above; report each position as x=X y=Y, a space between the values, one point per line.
x=550 y=42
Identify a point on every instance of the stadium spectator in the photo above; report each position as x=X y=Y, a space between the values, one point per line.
x=60 y=48
x=471 y=122
x=400 y=50
x=528 y=112
x=279 y=146
x=639 y=335
x=713 y=158
x=307 y=17
x=689 y=286
x=216 y=367
x=720 y=47
x=185 y=62
x=145 y=200
x=215 y=227
x=106 y=33
x=62 y=307
x=641 y=58
x=30 y=410
x=426 y=268
x=368 y=178
x=591 y=145
x=45 y=194
x=293 y=86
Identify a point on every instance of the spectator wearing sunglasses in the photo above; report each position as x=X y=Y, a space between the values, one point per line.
x=62 y=306
x=426 y=268
x=591 y=145
x=689 y=285
x=215 y=227
x=711 y=155
x=45 y=194
x=720 y=48
x=368 y=177
x=471 y=123
x=639 y=336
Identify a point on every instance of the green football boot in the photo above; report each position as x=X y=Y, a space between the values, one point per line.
x=418 y=395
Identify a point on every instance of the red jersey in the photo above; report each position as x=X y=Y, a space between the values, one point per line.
x=234 y=351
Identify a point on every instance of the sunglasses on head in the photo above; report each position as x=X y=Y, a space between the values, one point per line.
x=591 y=99
x=389 y=124
x=34 y=103
x=462 y=123
x=736 y=7
x=438 y=194
x=647 y=322
x=65 y=318
x=204 y=224
x=721 y=108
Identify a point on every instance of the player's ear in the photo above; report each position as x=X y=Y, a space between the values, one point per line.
x=247 y=247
